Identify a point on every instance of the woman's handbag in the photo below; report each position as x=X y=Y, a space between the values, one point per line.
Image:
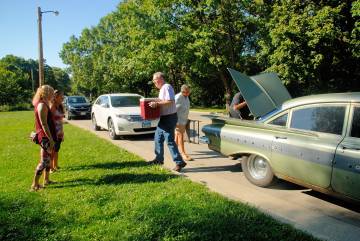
x=34 y=137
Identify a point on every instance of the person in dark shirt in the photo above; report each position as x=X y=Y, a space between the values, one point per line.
x=239 y=108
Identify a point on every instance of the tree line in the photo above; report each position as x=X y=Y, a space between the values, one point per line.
x=314 y=46
x=19 y=80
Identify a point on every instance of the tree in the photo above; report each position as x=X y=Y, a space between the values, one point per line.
x=62 y=80
x=19 y=79
x=355 y=34
x=10 y=90
x=313 y=45
x=191 y=41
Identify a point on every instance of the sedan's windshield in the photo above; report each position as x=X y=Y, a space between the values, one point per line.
x=77 y=100
x=268 y=115
x=125 y=101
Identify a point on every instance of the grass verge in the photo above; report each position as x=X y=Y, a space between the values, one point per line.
x=211 y=110
x=105 y=193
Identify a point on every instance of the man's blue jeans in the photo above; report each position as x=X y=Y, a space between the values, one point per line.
x=165 y=132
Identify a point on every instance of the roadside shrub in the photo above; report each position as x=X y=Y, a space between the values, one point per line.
x=16 y=107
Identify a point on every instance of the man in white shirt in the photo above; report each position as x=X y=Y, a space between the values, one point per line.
x=182 y=107
x=166 y=126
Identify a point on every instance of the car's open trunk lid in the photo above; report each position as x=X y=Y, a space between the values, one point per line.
x=263 y=93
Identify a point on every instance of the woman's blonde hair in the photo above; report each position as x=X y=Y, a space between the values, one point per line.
x=42 y=93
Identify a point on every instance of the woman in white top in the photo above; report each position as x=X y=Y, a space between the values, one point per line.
x=182 y=107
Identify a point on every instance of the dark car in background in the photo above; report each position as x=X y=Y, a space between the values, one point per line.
x=77 y=106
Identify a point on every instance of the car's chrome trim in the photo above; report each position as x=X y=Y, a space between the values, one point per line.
x=204 y=140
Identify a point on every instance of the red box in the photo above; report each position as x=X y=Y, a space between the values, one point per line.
x=146 y=112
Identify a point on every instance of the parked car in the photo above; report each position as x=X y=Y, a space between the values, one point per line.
x=313 y=141
x=120 y=115
x=77 y=106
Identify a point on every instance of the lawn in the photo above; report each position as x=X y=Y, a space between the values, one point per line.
x=106 y=193
x=212 y=110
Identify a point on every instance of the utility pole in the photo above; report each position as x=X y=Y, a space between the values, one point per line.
x=41 y=57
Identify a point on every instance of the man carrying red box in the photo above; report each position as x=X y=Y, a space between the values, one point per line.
x=167 y=123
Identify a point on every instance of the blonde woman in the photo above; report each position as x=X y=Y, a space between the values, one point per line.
x=46 y=133
x=182 y=107
x=58 y=113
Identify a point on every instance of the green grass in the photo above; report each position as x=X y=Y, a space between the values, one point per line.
x=213 y=110
x=105 y=193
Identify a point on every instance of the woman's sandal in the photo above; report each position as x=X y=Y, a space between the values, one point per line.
x=56 y=169
x=186 y=158
x=49 y=182
x=36 y=188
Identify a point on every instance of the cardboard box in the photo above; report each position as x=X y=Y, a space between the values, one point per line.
x=148 y=113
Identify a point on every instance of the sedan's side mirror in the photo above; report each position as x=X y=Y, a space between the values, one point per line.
x=105 y=105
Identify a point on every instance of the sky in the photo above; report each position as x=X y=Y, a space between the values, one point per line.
x=19 y=28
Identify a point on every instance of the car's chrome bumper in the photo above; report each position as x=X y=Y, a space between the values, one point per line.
x=134 y=128
x=204 y=140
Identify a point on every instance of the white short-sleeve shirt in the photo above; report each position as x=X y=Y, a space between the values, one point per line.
x=182 y=107
x=167 y=93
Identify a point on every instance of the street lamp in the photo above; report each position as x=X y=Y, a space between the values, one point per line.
x=41 y=59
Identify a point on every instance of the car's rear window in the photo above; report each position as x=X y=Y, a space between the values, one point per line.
x=327 y=119
x=355 y=127
x=125 y=101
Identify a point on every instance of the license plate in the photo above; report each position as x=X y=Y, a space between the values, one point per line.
x=146 y=124
x=82 y=113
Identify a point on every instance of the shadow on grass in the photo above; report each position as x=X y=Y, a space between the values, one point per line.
x=172 y=219
x=116 y=179
x=123 y=178
x=73 y=183
x=23 y=217
x=108 y=165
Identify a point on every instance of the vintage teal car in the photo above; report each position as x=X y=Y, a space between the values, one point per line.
x=313 y=141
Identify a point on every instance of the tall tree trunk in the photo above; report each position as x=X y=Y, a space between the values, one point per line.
x=227 y=89
x=172 y=78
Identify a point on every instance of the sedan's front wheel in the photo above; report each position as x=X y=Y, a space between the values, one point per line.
x=257 y=170
x=67 y=115
x=94 y=124
x=111 y=129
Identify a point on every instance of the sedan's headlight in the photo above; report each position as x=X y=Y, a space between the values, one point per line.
x=126 y=117
x=131 y=118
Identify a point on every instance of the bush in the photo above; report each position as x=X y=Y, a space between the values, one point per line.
x=16 y=107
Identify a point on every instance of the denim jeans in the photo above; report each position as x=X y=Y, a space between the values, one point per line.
x=165 y=132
